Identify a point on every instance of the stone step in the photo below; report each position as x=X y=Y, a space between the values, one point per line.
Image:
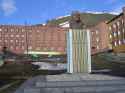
x=94 y=89
x=74 y=84
x=55 y=84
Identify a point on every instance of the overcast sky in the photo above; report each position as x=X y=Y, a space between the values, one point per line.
x=39 y=11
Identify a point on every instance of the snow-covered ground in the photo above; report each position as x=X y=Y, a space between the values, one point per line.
x=49 y=66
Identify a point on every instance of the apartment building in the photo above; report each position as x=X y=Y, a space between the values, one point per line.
x=116 y=28
x=99 y=38
x=24 y=39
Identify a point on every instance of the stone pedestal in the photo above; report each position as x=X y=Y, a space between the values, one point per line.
x=78 y=51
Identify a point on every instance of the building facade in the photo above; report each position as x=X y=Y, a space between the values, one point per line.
x=47 y=38
x=116 y=28
x=24 y=39
x=99 y=38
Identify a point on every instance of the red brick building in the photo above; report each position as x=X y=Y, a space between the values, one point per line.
x=23 y=39
x=117 y=32
x=99 y=38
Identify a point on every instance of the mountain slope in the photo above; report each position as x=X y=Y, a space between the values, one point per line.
x=89 y=19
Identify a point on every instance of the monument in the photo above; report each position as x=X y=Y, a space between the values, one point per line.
x=78 y=46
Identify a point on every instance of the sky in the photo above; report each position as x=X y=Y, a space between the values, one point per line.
x=40 y=11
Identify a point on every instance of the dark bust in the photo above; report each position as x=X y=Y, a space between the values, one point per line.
x=75 y=21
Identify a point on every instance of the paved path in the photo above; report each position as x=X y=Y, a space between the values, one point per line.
x=76 y=83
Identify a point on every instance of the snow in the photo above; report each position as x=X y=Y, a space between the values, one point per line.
x=50 y=66
x=95 y=12
x=92 y=12
x=60 y=17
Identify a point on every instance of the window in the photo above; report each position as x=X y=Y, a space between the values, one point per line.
x=123 y=30
x=17 y=41
x=97 y=32
x=6 y=41
x=0 y=29
x=23 y=47
x=30 y=47
x=12 y=30
x=17 y=35
x=114 y=26
x=119 y=42
x=23 y=30
x=11 y=41
x=110 y=28
x=115 y=43
x=119 y=33
x=122 y=21
x=11 y=35
x=97 y=39
x=97 y=46
x=110 y=36
x=118 y=23
x=38 y=31
x=115 y=34
x=22 y=35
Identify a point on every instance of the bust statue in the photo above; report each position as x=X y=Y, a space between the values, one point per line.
x=75 y=21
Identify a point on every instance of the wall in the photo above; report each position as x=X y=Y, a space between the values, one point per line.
x=99 y=38
x=117 y=33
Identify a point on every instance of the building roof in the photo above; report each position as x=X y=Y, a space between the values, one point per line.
x=114 y=18
x=35 y=27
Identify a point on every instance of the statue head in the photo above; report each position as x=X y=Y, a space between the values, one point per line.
x=76 y=16
x=76 y=22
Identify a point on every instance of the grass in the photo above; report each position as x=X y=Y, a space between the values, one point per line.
x=18 y=72
x=13 y=87
x=10 y=71
x=100 y=62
